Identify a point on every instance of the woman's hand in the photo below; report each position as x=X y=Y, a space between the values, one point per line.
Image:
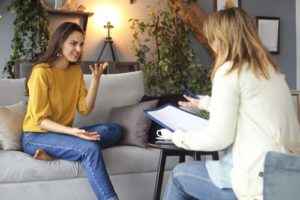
x=190 y=103
x=81 y=133
x=98 y=69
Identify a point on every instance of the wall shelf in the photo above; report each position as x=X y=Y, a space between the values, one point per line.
x=83 y=16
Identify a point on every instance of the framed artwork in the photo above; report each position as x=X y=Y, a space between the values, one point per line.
x=268 y=31
x=220 y=4
x=296 y=100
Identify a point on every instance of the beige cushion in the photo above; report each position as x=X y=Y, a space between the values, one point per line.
x=115 y=90
x=134 y=122
x=11 y=119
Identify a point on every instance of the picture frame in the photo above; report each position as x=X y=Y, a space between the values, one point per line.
x=296 y=100
x=220 y=4
x=268 y=29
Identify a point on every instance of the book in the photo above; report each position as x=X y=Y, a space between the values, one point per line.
x=173 y=118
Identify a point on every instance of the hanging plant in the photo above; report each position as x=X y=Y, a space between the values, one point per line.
x=30 y=33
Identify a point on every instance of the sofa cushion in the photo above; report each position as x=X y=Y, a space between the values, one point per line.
x=17 y=166
x=11 y=119
x=115 y=90
x=134 y=122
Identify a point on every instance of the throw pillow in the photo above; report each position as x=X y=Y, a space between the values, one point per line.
x=11 y=120
x=134 y=122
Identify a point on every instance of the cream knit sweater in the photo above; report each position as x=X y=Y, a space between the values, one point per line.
x=255 y=115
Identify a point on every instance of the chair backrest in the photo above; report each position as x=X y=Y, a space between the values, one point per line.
x=281 y=177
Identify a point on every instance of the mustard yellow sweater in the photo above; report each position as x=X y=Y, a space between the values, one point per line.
x=54 y=94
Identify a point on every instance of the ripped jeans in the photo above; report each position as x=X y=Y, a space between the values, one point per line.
x=88 y=153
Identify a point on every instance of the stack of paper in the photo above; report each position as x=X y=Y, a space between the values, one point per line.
x=174 y=118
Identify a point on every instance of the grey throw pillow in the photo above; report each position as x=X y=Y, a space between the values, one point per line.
x=11 y=120
x=134 y=122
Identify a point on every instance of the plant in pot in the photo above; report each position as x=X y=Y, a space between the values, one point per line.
x=30 y=34
x=163 y=49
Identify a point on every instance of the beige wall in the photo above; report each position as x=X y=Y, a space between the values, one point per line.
x=121 y=34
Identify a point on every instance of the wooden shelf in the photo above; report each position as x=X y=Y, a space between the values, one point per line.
x=82 y=15
x=68 y=12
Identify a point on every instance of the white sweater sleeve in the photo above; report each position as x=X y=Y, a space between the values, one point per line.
x=204 y=103
x=224 y=106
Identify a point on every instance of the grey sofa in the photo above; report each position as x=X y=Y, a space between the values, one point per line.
x=132 y=169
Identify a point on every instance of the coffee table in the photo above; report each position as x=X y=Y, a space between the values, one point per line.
x=172 y=150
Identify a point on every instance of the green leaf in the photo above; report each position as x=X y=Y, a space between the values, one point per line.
x=30 y=32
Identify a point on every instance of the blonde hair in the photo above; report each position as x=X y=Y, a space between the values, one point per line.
x=238 y=41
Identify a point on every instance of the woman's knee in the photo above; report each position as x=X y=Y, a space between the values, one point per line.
x=187 y=170
x=180 y=169
x=91 y=148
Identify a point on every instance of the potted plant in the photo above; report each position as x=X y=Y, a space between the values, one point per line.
x=162 y=47
x=30 y=33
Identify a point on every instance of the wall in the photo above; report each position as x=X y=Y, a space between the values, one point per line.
x=298 y=42
x=95 y=33
x=6 y=33
x=287 y=13
x=122 y=37
x=121 y=33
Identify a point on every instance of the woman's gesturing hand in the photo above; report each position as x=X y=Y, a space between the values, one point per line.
x=190 y=103
x=98 y=69
x=81 y=133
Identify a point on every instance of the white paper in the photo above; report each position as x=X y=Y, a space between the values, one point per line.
x=177 y=119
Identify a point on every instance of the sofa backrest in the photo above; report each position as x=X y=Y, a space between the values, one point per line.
x=11 y=91
x=116 y=90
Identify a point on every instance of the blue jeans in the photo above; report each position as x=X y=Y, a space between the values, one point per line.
x=88 y=153
x=190 y=181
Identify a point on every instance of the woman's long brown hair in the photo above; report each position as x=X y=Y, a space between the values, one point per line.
x=236 y=36
x=55 y=43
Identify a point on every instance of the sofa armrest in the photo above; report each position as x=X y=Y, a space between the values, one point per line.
x=281 y=176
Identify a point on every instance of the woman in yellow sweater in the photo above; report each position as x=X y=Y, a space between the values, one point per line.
x=56 y=90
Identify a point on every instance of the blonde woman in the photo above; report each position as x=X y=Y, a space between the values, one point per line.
x=251 y=113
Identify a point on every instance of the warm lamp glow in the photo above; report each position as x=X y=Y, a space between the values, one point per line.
x=107 y=13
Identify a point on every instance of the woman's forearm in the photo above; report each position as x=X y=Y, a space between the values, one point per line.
x=50 y=125
x=92 y=93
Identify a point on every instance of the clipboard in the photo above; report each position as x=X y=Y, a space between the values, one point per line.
x=173 y=118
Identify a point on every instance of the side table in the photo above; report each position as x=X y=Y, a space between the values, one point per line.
x=172 y=150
